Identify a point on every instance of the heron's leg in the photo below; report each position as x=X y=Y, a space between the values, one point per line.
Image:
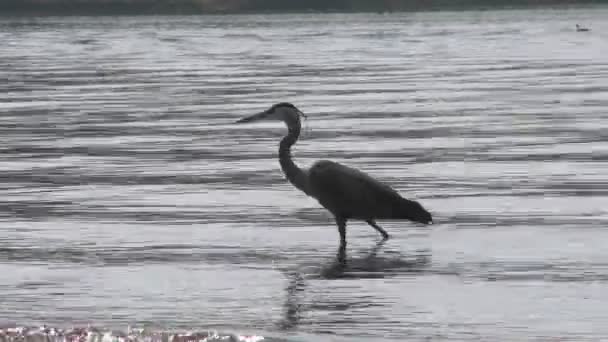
x=378 y=228
x=342 y=254
x=341 y=222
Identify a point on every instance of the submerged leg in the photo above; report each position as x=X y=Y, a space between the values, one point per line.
x=342 y=254
x=378 y=228
x=341 y=222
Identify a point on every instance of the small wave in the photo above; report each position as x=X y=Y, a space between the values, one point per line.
x=378 y=35
x=441 y=33
x=500 y=32
x=527 y=271
x=85 y=41
x=244 y=36
x=316 y=34
x=490 y=220
x=170 y=39
x=118 y=256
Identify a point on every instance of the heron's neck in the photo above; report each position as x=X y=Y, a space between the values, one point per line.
x=294 y=174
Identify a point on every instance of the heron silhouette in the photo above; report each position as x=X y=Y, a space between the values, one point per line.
x=346 y=192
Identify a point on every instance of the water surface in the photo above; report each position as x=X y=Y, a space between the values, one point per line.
x=128 y=197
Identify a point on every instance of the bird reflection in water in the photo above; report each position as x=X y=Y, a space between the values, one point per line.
x=373 y=266
x=367 y=267
x=295 y=285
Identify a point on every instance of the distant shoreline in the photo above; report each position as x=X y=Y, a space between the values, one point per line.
x=202 y=7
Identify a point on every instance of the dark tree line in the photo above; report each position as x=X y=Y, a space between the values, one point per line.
x=235 y=6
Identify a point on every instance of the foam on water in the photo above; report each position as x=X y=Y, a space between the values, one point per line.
x=91 y=334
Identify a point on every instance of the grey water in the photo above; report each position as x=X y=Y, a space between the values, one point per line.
x=129 y=197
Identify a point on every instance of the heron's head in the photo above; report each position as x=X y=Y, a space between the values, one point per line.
x=283 y=111
x=414 y=211
x=424 y=216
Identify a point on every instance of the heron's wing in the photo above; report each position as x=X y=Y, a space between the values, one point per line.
x=350 y=192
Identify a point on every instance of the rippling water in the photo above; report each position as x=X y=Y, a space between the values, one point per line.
x=128 y=197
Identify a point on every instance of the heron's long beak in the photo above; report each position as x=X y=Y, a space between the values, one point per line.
x=254 y=117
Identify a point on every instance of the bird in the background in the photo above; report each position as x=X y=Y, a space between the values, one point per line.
x=346 y=192
x=579 y=28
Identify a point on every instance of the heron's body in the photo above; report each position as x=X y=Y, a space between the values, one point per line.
x=352 y=194
x=346 y=192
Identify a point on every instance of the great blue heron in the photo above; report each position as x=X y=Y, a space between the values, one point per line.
x=346 y=192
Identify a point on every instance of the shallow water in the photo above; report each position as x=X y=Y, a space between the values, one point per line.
x=128 y=197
